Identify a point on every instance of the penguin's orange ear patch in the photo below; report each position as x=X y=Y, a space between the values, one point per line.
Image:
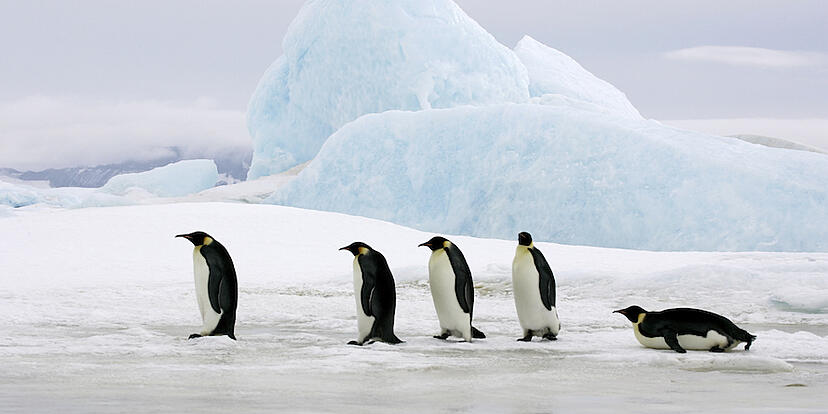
x=207 y=241
x=446 y=243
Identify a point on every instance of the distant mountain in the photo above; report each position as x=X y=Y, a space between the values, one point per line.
x=232 y=166
x=776 y=143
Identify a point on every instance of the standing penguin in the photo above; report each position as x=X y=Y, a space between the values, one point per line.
x=452 y=289
x=376 y=297
x=216 y=286
x=534 y=288
x=685 y=328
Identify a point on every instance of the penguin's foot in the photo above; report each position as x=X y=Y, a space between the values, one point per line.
x=354 y=343
x=193 y=336
x=442 y=336
x=527 y=338
x=550 y=337
x=716 y=349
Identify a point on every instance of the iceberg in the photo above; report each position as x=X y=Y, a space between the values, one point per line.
x=552 y=72
x=344 y=59
x=18 y=195
x=173 y=180
x=570 y=175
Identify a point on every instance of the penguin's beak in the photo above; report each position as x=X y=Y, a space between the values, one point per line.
x=621 y=311
x=427 y=244
x=345 y=248
x=186 y=236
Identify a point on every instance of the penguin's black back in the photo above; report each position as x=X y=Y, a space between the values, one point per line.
x=378 y=296
x=690 y=321
x=222 y=285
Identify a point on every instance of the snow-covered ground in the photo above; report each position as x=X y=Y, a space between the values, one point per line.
x=98 y=304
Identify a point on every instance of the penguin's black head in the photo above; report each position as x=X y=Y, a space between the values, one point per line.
x=632 y=312
x=356 y=248
x=524 y=238
x=436 y=243
x=199 y=238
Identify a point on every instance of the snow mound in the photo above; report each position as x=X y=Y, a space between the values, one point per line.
x=345 y=59
x=553 y=72
x=173 y=180
x=568 y=175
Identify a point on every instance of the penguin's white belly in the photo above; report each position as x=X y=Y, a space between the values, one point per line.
x=201 y=271
x=364 y=322
x=691 y=342
x=441 y=280
x=526 y=286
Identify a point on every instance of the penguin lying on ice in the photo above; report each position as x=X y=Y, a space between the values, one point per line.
x=685 y=328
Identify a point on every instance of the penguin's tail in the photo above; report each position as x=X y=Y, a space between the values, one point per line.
x=392 y=339
x=476 y=334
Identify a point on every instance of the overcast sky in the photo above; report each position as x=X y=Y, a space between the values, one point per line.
x=675 y=60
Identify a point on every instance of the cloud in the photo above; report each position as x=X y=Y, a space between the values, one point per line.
x=749 y=56
x=47 y=132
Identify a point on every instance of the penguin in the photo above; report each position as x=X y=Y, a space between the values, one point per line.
x=685 y=328
x=452 y=289
x=216 y=285
x=376 y=297
x=533 y=285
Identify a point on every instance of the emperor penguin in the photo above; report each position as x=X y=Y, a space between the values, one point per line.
x=680 y=329
x=216 y=286
x=533 y=285
x=376 y=297
x=452 y=289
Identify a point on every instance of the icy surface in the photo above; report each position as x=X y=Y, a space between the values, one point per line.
x=173 y=180
x=96 y=320
x=570 y=175
x=555 y=73
x=345 y=59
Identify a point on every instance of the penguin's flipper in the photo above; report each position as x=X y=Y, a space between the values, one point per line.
x=476 y=334
x=546 y=279
x=463 y=284
x=369 y=281
x=672 y=341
